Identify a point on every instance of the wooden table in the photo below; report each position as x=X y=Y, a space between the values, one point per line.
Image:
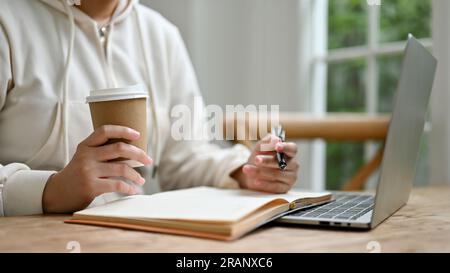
x=421 y=226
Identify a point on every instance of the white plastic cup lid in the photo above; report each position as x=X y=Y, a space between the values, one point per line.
x=137 y=91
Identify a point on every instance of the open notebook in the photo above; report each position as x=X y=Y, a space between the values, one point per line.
x=223 y=214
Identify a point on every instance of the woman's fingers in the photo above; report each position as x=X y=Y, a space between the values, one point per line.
x=108 y=170
x=267 y=144
x=250 y=170
x=287 y=177
x=121 y=149
x=288 y=148
x=270 y=186
x=269 y=174
x=112 y=185
x=106 y=132
x=269 y=161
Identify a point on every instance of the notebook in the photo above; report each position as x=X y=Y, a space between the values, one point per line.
x=222 y=214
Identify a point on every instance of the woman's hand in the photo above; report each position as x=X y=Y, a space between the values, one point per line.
x=89 y=174
x=262 y=173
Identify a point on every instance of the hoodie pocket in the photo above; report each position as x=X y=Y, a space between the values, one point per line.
x=48 y=156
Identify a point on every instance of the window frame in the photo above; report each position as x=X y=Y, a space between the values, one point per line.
x=373 y=49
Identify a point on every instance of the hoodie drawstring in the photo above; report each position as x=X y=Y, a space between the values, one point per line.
x=65 y=117
x=152 y=93
x=111 y=73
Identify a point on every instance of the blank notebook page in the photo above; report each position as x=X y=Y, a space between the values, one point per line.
x=195 y=204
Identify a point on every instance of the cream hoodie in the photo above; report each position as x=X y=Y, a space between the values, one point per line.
x=51 y=56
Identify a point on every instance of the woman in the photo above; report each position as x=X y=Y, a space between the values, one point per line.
x=51 y=55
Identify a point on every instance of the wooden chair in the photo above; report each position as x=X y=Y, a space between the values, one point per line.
x=330 y=127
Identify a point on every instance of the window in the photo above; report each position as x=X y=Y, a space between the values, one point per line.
x=365 y=46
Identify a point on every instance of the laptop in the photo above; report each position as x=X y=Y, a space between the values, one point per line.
x=365 y=211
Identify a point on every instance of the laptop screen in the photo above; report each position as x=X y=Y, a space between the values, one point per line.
x=405 y=130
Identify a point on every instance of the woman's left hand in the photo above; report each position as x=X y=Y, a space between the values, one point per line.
x=262 y=173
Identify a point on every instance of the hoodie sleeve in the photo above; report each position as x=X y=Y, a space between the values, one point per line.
x=196 y=162
x=20 y=188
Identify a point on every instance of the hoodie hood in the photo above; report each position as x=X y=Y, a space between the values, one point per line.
x=124 y=9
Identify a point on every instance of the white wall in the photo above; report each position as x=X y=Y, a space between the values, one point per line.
x=243 y=51
x=440 y=99
x=249 y=52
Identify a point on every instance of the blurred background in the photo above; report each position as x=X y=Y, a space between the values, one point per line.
x=319 y=56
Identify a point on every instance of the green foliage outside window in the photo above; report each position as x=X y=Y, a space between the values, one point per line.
x=400 y=17
x=347 y=27
x=347 y=23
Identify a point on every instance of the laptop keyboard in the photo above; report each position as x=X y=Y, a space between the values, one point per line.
x=345 y=207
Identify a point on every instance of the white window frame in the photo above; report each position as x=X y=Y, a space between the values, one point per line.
x=440 y=99
x=371 y=51
x=312 y=25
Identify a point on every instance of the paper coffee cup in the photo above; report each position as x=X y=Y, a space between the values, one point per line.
x=126 y=106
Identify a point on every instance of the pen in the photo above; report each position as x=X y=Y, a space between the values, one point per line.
x=279 y=132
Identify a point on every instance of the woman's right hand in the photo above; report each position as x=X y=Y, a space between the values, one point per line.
x=89 y=174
